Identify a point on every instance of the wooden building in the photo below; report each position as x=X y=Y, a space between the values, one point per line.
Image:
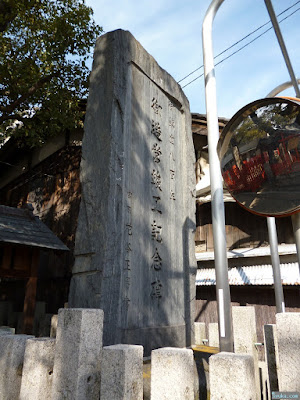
x=47 y=178
x=22 y=239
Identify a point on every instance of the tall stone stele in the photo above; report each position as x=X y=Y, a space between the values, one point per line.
x=135 y=256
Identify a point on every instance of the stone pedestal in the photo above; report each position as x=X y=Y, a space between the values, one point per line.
x=232 y=377
x=200 y=332
x=245 y=337
x=7 y=330
x=12 y=349
x=135 y=252
x=122 y=372
x=38 y=369
x=288 y=339
x=78 y=354
x=213 y=334
x=172 y=374
x=53 y=327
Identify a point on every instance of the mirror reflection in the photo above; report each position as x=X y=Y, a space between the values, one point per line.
x=259 y=152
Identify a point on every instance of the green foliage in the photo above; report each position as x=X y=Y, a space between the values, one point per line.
x=44 y=46
x=269 y=119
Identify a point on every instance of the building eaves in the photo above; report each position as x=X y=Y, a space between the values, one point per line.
x=20 y=226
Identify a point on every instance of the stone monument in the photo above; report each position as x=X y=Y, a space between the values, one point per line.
x=134 y=251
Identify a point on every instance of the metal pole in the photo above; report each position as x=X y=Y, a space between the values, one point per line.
x=282 y=45
x=279 y=299
x=295 y=217
x=280 y=88
x=217 y=202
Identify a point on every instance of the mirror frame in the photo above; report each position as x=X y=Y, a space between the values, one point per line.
x=228 y=133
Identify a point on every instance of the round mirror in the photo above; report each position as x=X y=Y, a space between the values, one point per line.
x=259 y=152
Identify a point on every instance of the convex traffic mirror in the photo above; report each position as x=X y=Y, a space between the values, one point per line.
x=259 y=151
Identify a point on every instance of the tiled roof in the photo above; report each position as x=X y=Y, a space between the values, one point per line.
x=20 y=226
x=251 y=275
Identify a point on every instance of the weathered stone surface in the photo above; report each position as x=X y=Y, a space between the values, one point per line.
x=78 y=354
x=245 y=337
x=172 y=374
x=232 y=377
x=12 y=349
x=38 y=369
x=270 y=339
x=200 y=332
x=53 y=327
x=134 y=242
x=213 y=334
x=7 y=330
x=122 y=372
x=288 y=339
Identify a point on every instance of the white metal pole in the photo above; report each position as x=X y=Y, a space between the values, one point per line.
x=217 y=202
x=296 y=216
x=279 y=298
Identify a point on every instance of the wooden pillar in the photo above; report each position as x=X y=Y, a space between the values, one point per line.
x=30 y=294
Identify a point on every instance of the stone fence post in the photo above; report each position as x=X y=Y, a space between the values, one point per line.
x=12 y=349
x=78 y=354
x=245 y=337
x=288 y=338
x=172 y=374
x=122 y=372
x=38 y=369
x=232 y=377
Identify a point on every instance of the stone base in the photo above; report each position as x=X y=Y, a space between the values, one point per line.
x=154 y=338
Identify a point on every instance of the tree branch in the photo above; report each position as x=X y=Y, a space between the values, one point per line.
x=40 y=83
x=12 y=117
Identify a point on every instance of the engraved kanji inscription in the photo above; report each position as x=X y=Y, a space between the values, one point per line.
x=156 y=130
x=157 y=261
x=172 y=122
x=128 y=248
x=156 y=207
x=127 y=265
x=171 y=105
x=126 y=302
x=156 y=292
x=156 y=106
x=156 y=179
x=172 y=195
x=127 y=282
x=129 y=195
x=156 y=153
x=129 y=229
x=156 y=232
x=172 y=139
x=172 y=174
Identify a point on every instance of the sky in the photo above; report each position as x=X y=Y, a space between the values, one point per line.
x=171 y=31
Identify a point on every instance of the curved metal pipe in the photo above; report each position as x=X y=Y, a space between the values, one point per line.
x=217 y=202
x=281 y=88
